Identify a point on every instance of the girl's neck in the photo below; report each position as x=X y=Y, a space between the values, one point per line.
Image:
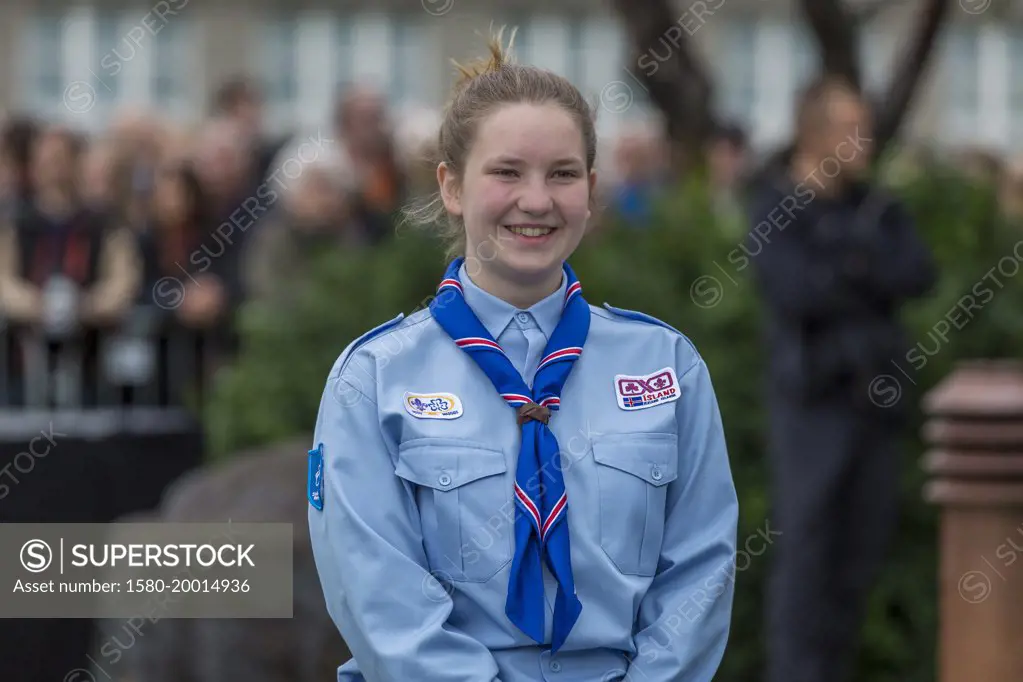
x=523 y=293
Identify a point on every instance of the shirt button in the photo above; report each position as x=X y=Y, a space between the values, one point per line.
x=555 y=666
x=523 y=317
x=444 y=480
x=656 y=474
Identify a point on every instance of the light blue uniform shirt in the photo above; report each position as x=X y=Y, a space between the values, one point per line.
x=415 y=538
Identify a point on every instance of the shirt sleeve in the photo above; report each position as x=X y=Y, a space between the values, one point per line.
x=684 y=618
x=368 y=546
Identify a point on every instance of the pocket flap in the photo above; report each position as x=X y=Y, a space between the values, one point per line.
x=652 y=457
x=445 y=464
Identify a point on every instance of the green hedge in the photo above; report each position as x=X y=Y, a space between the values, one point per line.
x=274 y=389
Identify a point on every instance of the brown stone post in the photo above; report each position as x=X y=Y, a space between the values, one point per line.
x=975 y=432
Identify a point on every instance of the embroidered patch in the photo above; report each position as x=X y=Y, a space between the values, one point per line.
x=315 y=485
x=639 y=392
x=433 y=405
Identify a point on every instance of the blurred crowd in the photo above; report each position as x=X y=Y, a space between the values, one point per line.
x=640 y=170
x=185 y=223
x=155 y=224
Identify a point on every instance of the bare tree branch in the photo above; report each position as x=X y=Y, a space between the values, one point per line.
x=869 y=10
x=671 y=72
x=892 y=109
x=837 y=37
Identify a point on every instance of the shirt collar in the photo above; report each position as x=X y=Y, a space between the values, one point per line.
x=496 y=314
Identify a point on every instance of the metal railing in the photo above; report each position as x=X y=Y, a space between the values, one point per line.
x=147 y=375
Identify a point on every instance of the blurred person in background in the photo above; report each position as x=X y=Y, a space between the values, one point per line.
x=727 y=157
x=640 y=161
x=66 y=269
x=727 y=165
x=16 y=141
x=416 y=142
x=835 y=259
x=363 y=130
x=175 y=143
x=240 y=100
x=172 y=235
x=222 y=157
x=315 y=217
x=136 y=134
x=183 y=282
x=980 y=164
x=106 y=179
x=224 y=168
x=1010 y=190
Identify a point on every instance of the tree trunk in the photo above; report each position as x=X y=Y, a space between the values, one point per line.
x=837 y=37
x=837 y=32
x=668 y=69
x=892 y=109
x=672 y=75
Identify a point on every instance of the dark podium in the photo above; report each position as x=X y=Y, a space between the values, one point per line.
x=88 y=436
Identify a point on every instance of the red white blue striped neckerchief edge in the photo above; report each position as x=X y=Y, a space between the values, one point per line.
x=541 y=533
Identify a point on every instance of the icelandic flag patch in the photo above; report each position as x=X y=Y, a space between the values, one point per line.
x=315 y=486
x=639 y=392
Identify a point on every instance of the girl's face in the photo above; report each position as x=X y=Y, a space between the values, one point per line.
x=525 y=194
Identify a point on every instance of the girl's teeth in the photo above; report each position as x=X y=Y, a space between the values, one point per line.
x=531 y=231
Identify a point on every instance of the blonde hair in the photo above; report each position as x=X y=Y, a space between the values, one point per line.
x=484 y=85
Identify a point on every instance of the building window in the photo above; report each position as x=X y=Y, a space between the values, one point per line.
x=550 y=45
x=522 y=49
x=173 y=52
x=342 y=50
x=877 y=59
x=734 y=63
x=961 y=73
x=1016 y=88
x=551 y=42
x=113 y=54
x=82 y=65
x=310 y=58
x=278 y=61
x=805 y=57
x=408 y=57
x=43 y=76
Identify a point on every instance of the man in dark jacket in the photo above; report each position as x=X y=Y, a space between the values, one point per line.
x=834 y=259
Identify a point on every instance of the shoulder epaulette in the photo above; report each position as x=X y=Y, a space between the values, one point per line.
x=367 y=337
x=640 y=317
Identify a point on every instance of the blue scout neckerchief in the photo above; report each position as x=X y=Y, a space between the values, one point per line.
x=541 y=532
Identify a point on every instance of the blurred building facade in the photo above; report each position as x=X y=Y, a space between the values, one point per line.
x=78 y=62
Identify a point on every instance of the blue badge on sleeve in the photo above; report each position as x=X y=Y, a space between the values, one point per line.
x=314 y=488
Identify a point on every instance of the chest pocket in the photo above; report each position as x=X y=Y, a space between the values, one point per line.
x=465 y=505
x=633 y=471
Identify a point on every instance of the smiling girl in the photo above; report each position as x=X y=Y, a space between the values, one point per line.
x=512 y=484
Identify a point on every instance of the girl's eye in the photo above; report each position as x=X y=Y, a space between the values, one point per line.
x=505 y=172
x=566 y=174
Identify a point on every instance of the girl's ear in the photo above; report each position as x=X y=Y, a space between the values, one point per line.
x=449 y=189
